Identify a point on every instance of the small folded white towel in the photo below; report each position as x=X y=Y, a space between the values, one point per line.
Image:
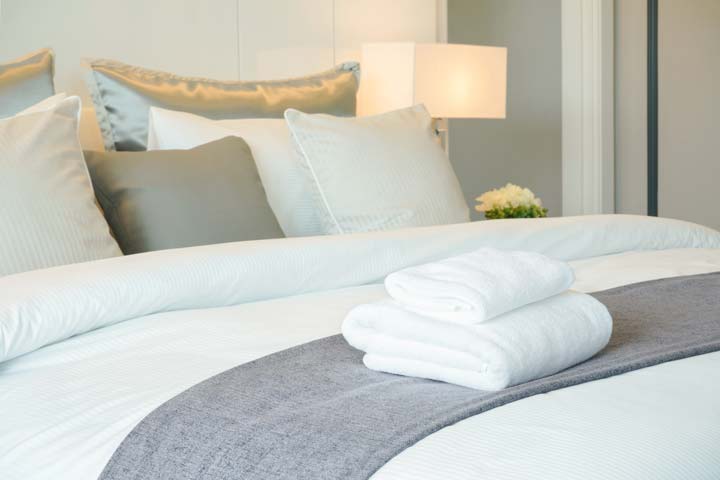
x=528 y=343
x=480 y=285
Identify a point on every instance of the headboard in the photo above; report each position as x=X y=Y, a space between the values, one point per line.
x=223 y=39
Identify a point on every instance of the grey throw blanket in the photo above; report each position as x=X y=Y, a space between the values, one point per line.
x=315 y=412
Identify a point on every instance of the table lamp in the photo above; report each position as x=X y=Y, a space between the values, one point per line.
x=452 y=81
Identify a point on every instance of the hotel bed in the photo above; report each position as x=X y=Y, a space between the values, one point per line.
x=99 y=345
x=122 y=330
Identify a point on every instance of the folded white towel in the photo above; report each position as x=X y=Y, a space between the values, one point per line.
x=478 y=286
x=528 y=343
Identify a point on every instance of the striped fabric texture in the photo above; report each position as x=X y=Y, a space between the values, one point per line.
x=48 y=214
x=375 y=173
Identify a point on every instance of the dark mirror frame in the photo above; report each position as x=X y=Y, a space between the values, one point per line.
x=652 y=107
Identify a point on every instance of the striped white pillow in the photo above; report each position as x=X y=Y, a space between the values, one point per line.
x=48 y=214
x=380 y=172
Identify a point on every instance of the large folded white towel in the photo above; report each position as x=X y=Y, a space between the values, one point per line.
x=528 y=343
x=478 y=286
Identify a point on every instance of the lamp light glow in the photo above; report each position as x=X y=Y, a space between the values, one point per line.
x=452 y=81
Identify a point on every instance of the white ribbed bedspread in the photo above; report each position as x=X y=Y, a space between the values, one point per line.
x=66 y=407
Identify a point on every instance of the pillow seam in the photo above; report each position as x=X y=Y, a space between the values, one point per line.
x=114 y=213
x=101 y=114
x=315 y=178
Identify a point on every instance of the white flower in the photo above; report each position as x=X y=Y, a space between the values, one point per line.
x=509 y=196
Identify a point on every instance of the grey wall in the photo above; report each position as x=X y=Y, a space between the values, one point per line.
x=631 y=106
x=689 y=114
x=525 y=148
x=689 y=108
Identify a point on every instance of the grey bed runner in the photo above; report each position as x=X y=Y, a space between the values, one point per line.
x=315 y=412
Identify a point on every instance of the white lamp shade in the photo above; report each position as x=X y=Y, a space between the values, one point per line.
x=452 y=81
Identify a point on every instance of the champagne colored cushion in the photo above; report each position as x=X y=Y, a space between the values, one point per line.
x=26 y=81
x=123 y=94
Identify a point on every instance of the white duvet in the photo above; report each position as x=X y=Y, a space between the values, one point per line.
x=70 y=390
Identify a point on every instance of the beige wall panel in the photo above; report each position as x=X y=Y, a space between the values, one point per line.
x=363 y=21
x=182 y=36
x=284 y=38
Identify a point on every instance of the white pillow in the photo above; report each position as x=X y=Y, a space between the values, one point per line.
x=378 y=173
x=48 y=214
x=289 y=191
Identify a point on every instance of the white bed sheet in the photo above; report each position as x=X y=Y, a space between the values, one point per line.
x=65 y=408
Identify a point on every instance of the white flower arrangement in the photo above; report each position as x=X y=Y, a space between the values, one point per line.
x=511 y=201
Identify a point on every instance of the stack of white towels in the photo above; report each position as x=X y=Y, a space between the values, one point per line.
x=488 y=320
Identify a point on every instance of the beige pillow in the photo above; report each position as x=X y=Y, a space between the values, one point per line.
x=123 y=95
x=26 y=81
x=48 y=214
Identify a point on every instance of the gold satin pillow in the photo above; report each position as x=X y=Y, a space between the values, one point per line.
x=123 y=95
x=26 y=81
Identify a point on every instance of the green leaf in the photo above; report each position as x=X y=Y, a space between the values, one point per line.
x=522 y=211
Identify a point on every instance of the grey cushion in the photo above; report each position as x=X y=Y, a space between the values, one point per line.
x=123 y=95
x=26 y=81
x=181 y=198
